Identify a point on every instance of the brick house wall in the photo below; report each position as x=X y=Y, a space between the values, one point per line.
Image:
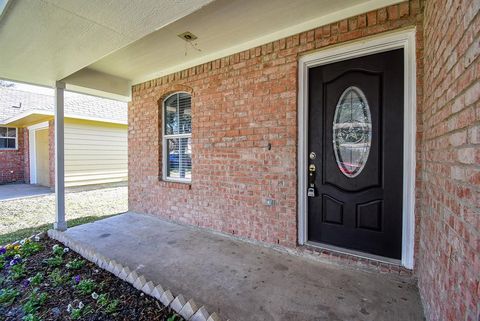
x=12 y=162
x=240 y=104
x=449 y=261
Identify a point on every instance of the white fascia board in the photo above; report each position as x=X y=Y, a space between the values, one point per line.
x=68 y=115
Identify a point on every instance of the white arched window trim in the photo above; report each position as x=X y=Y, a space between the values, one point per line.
x=176 y=165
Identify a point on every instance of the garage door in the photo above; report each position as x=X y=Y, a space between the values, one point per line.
x=95 y=153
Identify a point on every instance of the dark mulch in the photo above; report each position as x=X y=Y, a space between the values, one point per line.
x=133 y=304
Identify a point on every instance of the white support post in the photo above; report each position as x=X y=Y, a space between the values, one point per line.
x=60 y=223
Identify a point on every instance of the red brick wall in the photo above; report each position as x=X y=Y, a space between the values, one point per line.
x=241 y=103
x=449 y=261
x=12 y=166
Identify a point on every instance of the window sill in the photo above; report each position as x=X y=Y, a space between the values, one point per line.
x=174 y=184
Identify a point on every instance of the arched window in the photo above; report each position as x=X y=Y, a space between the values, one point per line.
x=177 y=137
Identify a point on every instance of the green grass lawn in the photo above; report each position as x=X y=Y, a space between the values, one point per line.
x=22 y=218
x=29 y=231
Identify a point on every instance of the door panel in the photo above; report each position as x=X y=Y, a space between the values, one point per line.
x=42 y=157
x=356 y=129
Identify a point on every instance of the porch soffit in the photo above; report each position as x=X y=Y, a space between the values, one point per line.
x=103 y=48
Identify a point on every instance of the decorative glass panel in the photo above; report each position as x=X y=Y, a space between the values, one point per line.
x=352 y=132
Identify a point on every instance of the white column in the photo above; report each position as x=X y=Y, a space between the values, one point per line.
x=60 y=223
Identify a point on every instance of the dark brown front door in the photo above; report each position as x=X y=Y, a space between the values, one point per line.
x=356 y=154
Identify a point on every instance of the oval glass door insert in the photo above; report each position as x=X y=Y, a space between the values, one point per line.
x=352 y=132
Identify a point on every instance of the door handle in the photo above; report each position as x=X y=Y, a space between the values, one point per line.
x=311 y=191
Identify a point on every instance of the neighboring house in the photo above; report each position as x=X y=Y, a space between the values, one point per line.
x=95 y=139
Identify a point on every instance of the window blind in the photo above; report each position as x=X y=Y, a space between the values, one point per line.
x=177 y=137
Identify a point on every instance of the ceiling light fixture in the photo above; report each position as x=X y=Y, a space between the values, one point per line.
x=187 y=36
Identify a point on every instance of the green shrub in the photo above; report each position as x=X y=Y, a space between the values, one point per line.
x=29 y=248
x=34 y=302
x=57 y=250
x=55 y=261
x=8 y=295
x=172 y=318
x=109 y=306
x=86 y=286
x=58 y=278
x=17 y=271
x=31 y=317
x=36 y=279
x=76 y=264
x=80 y=312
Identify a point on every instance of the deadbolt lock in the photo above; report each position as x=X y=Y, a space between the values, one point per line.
x=312 y=168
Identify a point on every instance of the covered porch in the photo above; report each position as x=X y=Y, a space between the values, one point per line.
x=240 y=280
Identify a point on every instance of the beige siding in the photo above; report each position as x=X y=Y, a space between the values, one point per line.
x=95 y=153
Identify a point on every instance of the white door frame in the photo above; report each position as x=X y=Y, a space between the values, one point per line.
x=32 y=149
x=402 y=39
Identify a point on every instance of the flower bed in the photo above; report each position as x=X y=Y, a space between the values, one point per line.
x=42 y=280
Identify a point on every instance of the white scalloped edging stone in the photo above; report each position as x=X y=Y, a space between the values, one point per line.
x=187 y=309
x=166 y=298
x=132 y=277
x=200 y=315
x=178 y=303
x=213 y=317
x=148 y=288
x=139 y=282
x=124 y=273
x=158 y=292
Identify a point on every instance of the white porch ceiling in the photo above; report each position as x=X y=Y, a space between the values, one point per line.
x=105 y=46
x=43 y=41
x=225 y=27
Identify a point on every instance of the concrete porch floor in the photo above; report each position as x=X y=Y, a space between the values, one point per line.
x=242 y=281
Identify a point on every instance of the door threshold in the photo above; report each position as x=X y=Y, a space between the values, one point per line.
x=359 y=254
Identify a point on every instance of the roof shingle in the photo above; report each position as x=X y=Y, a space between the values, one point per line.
x=75 y=104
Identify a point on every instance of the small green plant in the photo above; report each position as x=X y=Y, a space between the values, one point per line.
x=17 y=271
x=112 y=306
x=29 y=248
x=109 y=306
x=173 y=317
x=58 y=278
x=36 y=279
x=8 y=295
x=76 y=264
x=86 y=286
x=31 y=317
x=34 y=302
x=58 y=250
x=81 y=311
x=55 y=261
